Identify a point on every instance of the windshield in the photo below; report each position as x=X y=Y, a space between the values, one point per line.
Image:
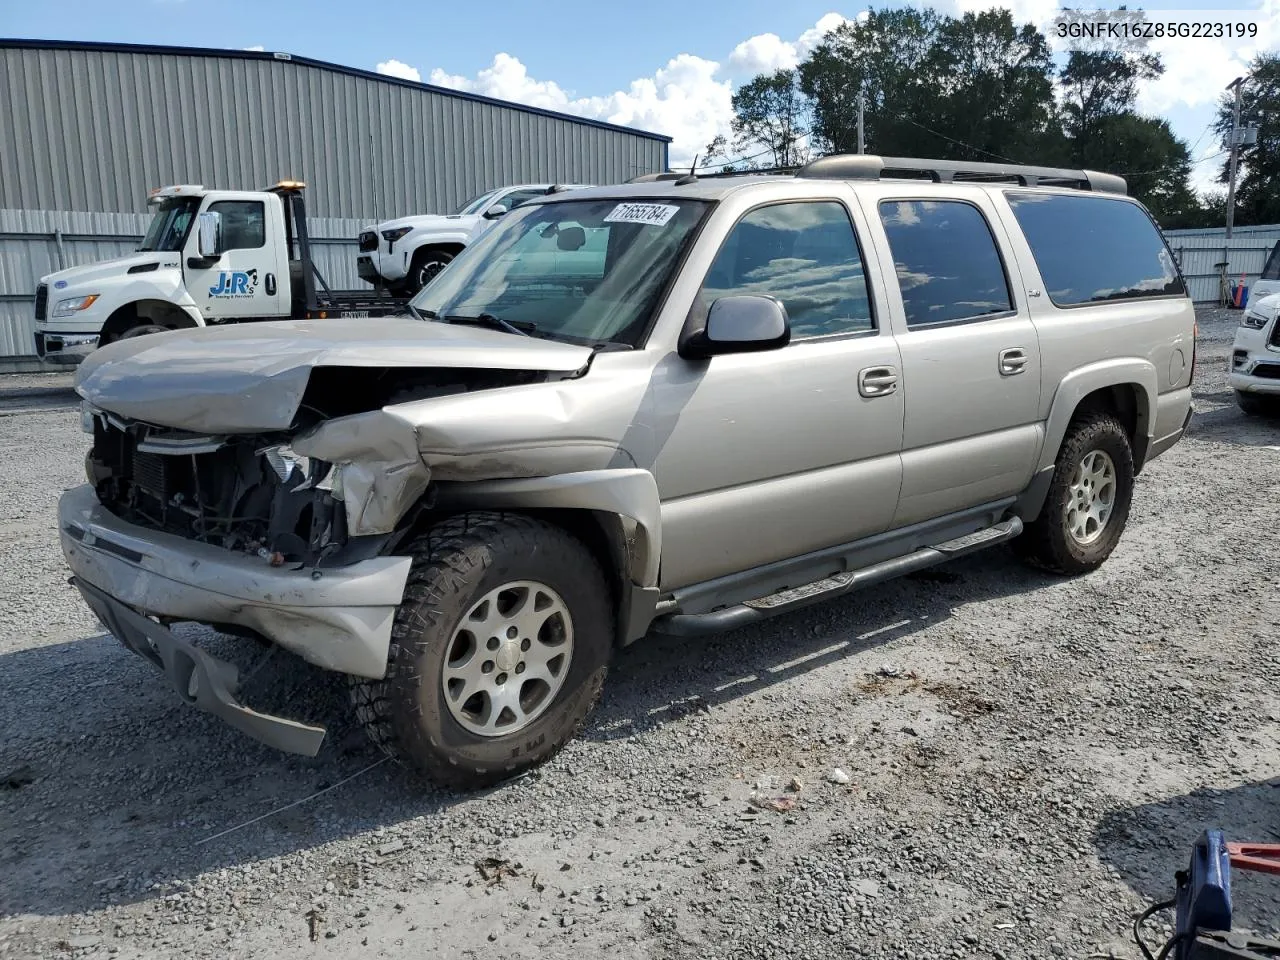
x=475 y=204
x=586 y=271
x=169 y=226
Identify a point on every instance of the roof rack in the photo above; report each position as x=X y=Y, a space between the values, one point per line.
x=653 y=177
x=863 y=166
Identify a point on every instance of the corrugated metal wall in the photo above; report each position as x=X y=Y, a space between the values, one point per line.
x=93 y=129
x=87 y=130
x=1199 y=251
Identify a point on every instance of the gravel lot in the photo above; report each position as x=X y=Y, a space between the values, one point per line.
x=1023 y=762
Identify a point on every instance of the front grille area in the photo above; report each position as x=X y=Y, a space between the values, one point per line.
x=42 y=301
x=229 y=496
x=368 y=241
x=1267 y=371
x=1274 y=339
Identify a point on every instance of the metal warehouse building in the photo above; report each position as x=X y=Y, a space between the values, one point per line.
x=86 y=130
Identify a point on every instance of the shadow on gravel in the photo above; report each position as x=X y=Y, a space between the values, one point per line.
x=125 y=786
x=1146 y=844
x=662 y=679
x=1229 y=424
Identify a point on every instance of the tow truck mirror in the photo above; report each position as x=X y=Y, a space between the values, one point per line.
x=209 y=235
x=494 y=212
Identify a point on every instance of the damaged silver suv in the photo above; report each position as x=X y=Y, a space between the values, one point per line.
x=680 y=404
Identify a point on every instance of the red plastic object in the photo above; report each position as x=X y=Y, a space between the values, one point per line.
x=1262 y=857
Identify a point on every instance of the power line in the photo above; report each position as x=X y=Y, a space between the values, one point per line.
x=959 y=142
x=1193 y=163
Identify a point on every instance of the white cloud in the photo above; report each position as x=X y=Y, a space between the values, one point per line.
x=767 y=52
x=689 y=99
x=396 y=68
x=1039 y=12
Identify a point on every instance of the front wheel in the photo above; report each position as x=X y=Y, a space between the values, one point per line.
x=1087 y=505
x=426 y=267
x=499 y=650
x=142 y=330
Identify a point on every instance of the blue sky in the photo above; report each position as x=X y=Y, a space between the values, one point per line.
x=663 y=65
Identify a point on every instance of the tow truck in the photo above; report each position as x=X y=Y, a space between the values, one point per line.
x=210 y=257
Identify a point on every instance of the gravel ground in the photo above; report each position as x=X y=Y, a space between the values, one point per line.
x=976 y=761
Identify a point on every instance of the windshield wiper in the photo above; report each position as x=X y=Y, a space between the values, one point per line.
x=520 y=328
x=419 y=315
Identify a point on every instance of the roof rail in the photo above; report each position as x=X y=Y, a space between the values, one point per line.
x=863 y=166
x=652 y=177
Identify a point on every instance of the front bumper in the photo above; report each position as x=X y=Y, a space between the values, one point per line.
x=68 y=348
x=201 y=680
x=1245 y=383
x=339 y=620
x=366 y=269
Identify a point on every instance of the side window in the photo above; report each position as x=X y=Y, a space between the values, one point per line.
x=1090 y=249
x=946 y=259
x=806 y=255
x=243 y=223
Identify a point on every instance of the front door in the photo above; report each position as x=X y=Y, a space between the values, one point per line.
x=242 y=283
x=776 y=454
x=970 y=355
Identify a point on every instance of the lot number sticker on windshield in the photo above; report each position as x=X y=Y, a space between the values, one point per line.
x=653 y=214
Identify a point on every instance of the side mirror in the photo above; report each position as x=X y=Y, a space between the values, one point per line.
x=209 y=235
x=494 y=212
x=740 y=324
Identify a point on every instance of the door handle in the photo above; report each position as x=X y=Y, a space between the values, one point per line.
x=877 y=381
x=1012 y=361
x=269 y=281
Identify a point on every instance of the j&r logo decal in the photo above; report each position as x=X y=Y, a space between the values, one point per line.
x=235 y=283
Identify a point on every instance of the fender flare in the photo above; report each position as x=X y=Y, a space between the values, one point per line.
x=630 y=493
x=1079 y=383
x=433 y=240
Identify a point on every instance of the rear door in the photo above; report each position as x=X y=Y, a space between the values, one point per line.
x=244 y=280
x=970 y=355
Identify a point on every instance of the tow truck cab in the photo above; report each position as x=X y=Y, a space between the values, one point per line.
x=209 y=257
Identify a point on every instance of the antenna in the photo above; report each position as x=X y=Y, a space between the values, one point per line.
x=693 y=167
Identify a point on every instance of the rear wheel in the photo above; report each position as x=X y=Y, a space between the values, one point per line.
x=1087 y=505
x=1256 y=405
x=426 y=266
x=498 y=653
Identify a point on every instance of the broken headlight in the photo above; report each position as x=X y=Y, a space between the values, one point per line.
x=311 y=474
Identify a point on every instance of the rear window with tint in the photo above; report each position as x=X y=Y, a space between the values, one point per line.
x=1095 y=249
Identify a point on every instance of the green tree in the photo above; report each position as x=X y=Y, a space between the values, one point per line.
x=771 y=115
x=1258 y=179
x=885 y=57
x=1155 y=164
x=1097 y=84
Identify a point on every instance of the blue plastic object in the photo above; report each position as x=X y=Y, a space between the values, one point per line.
x=1204 y=891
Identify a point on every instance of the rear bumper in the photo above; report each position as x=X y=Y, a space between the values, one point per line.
x=201 y=680
x=340 y=620
x=68 y=348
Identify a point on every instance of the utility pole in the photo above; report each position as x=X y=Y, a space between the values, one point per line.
x=862 y=143
x=1235 y=85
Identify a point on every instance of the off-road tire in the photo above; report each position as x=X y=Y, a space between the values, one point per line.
x=455 y=563
x=423 y=262
x=1257 y=406
x=1046 y=543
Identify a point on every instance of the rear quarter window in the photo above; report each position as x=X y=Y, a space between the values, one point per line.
x=1093 y=249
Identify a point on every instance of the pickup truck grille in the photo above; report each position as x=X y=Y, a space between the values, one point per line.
x=229 y=496
x=1267 y=371
x=368 y=241
x=42 y=301
x=1274 y=339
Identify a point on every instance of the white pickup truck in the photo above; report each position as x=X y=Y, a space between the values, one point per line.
x=404 y=255
x=209 y=257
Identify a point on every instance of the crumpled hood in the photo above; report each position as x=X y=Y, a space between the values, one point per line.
x=78 y=276
x=249 y=378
